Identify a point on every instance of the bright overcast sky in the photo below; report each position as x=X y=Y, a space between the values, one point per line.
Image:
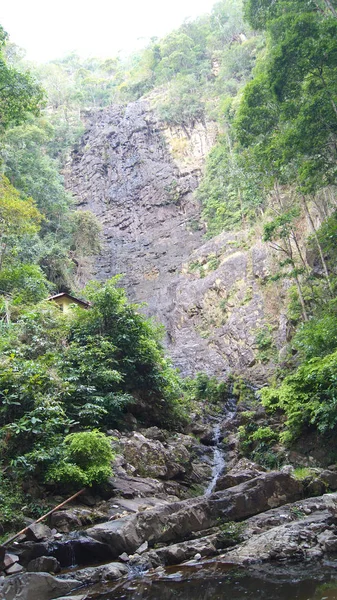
x=49 y=29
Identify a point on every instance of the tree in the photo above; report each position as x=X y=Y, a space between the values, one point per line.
x=18 y=217
x=280 y=234
x=291 y=105
x=20 y=94
x=230 y=193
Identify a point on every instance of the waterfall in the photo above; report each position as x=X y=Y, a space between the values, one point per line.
x=218 y=460
x=218 y=455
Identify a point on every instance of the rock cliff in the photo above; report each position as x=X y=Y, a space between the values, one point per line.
x=139 y=178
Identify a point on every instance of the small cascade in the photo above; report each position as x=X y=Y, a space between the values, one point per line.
x=218 y=460
x=218 y=456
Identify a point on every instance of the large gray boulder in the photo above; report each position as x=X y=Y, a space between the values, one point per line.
x=150 y=458
x=36 y=586
x=307 y=539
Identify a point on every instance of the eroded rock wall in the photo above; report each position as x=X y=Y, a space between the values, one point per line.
x=139 y=178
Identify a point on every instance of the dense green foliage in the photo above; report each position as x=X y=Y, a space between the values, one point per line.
x=289 y=110
x=269 y=83
x=87 y=458
x=80 y=370
x=32 y=148
x=20 y=94
x=307 y=395
x=64 y=378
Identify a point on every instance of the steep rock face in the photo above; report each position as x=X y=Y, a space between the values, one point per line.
x=123 y=172
x=138 y=177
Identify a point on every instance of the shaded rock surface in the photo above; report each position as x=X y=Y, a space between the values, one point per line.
x=45 y=564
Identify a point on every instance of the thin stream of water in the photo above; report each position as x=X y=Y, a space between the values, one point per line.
x=218 y=460
x=218 y=456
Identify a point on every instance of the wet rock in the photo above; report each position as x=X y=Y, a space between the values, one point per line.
x=36 y=586
x=81 y=550
x=46 y=564
x=69 y=551
x=108 y=572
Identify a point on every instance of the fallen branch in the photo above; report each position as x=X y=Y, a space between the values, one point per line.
x=50 y=512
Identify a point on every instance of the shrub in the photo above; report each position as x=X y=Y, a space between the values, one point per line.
x=308 y=397
x=87 y=457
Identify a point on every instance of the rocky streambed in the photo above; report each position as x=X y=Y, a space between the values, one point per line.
x=153 y=532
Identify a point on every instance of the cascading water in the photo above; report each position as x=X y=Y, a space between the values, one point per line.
x=218 y=456
x=218 y=460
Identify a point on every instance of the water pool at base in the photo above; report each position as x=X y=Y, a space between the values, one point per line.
x=216 y=581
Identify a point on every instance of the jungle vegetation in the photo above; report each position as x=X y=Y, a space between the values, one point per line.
x=266 y=73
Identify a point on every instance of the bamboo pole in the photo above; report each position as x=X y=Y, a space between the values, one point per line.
x=13 y=537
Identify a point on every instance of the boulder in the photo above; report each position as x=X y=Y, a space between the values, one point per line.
x=36 y=586
x=69 y=551
x=14 y=568
x=230 y=480
x=204 y=432
x=306 y=539
x=316 y=487
x=108 y=572
x=10 y=559
x=38 y=532
x=329 y=477
x=65 y=520
x=132 y=487
x=44 y=564
x=177 y=553
x=154 y=433
x=150 y=458
x=81 y=550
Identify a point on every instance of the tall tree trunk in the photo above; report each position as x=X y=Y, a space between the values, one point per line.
x=300 y=295
x=324 y=265
x=297 y=281
x=331 y=8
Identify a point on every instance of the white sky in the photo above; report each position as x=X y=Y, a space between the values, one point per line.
x=49 y=29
